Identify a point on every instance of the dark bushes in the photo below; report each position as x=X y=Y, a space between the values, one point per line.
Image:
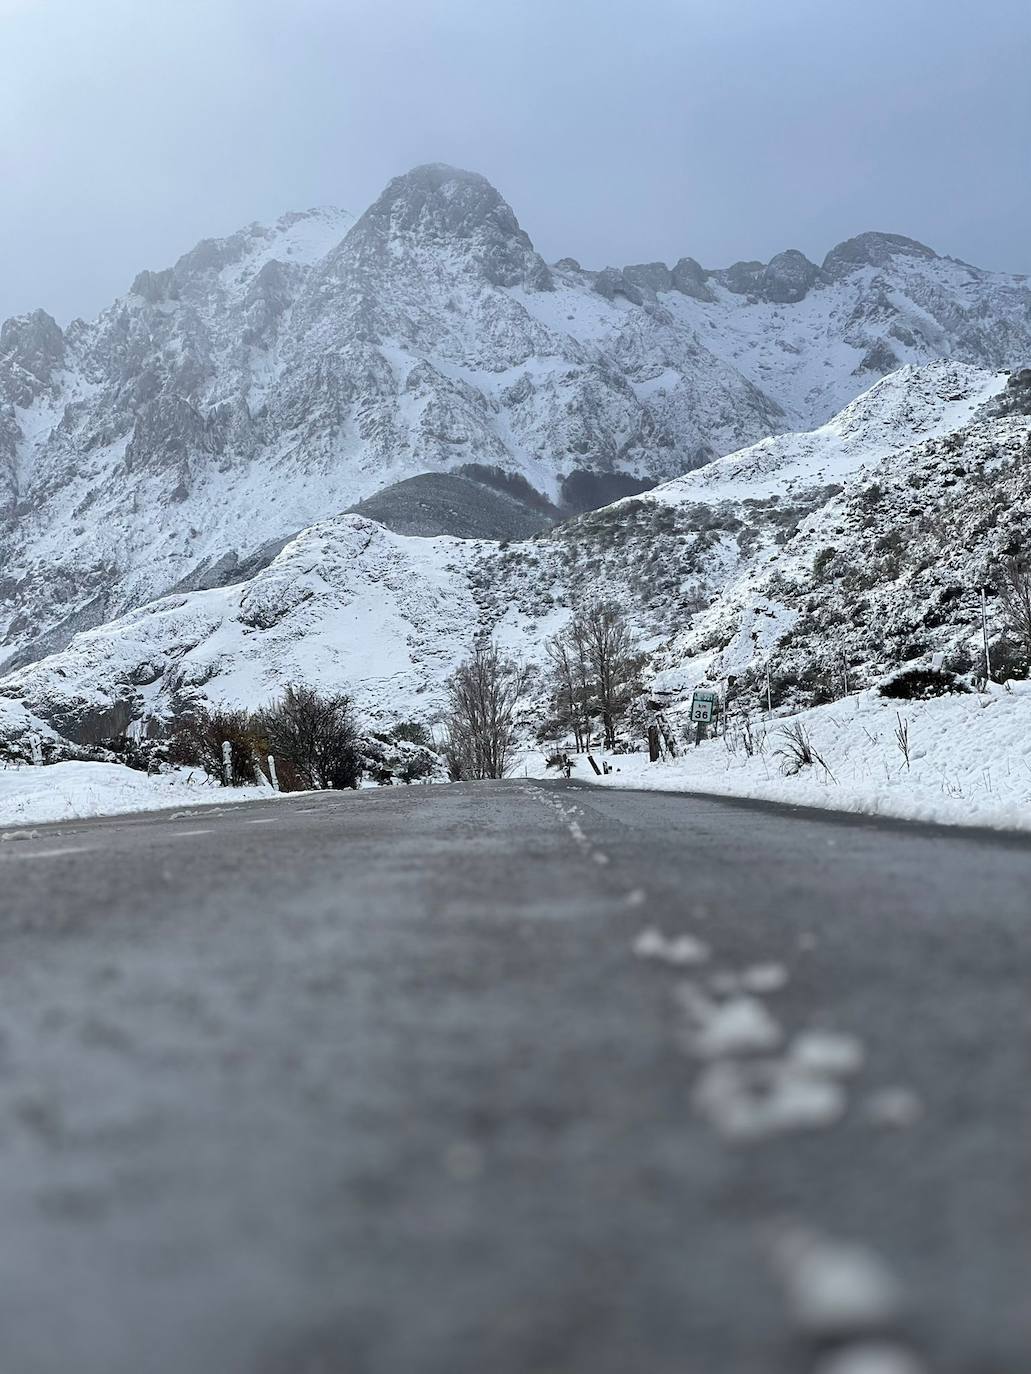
x=313 y=738
x=317 y=735
x=920 y=684
x=197 y=741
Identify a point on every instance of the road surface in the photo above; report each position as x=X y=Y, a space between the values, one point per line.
x=375 y=1083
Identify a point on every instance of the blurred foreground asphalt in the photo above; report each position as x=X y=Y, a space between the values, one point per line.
x=374 y=1083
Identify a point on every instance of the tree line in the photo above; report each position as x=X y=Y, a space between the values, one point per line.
x=594 y=673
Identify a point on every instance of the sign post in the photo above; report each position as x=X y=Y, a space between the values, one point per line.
x=703 y=710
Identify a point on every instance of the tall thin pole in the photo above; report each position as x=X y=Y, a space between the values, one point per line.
x=769 y=691
x=984 y=634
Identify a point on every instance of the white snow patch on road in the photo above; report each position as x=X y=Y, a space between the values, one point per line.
x=836 y=1288
x=760 y=978
x=749 y=1100
x=871 y=1357
x=741 y=1025
x=676 y=949
x=826 y=1052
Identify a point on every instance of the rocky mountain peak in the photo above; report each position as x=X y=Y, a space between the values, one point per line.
x=785 y=279
x=31 y=349
x=872 y=250
x=440 y=206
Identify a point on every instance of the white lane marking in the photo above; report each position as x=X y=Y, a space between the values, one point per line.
x=184 y=834
x=264 y=820
x=48 y=853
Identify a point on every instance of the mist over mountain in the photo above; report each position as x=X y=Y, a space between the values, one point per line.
x=286 y=373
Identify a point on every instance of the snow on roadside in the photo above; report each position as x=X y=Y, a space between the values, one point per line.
x=969 y=764
x=73 y=791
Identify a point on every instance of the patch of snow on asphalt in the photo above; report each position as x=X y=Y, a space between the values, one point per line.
x=750 y=1100
x=826 y=1052
x=677 y=949
x=741 y=1025
x=836 y=1289
x=871 y=1357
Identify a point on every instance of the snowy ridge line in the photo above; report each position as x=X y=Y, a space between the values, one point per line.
x=281 y=374
x=349 y=603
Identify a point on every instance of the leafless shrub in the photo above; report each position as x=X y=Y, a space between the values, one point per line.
x=197 y=740
x=753 y=741
x=797 y=751
x=902 y=737
x=315 y=736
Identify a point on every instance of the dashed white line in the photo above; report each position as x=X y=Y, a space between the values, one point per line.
x=185 y=834
x=47 y=853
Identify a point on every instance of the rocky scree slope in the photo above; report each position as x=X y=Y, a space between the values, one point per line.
x=285 y=373
x=716 y=570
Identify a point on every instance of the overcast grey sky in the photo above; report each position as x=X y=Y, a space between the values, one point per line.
x=618 y=131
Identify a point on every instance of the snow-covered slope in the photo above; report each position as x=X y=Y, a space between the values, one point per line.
x=716 y=570
x=276 y=377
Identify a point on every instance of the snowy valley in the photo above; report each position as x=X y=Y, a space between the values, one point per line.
x=821 y=466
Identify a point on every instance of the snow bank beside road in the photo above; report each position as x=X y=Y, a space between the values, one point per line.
x=73 y=791
x=969 y=764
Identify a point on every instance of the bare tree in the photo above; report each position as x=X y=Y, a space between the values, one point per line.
x=315 y=735
x=1015 y=596
x=573 y=700
x=614 y=659
x=483 y=694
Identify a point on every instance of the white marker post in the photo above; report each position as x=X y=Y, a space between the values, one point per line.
x=984 y=634
x=227 y=762
x=272 y=772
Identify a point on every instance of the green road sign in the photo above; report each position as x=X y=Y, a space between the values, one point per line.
x=703 y=706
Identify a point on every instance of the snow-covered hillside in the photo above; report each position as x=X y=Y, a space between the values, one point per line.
x=717 y=570
x=969 y=759
x=276 y=377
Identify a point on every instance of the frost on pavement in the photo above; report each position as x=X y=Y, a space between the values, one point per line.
x=894 y=1106
x=749 y=1100
x=871 y=1357
x=741 y=1025
x=675 y=949
x=835 y=1288
x=826 y=1052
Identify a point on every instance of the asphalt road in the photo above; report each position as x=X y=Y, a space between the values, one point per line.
x=375 y=1084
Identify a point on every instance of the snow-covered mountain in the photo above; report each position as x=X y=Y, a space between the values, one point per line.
x=277 y=377
x=917 y=487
